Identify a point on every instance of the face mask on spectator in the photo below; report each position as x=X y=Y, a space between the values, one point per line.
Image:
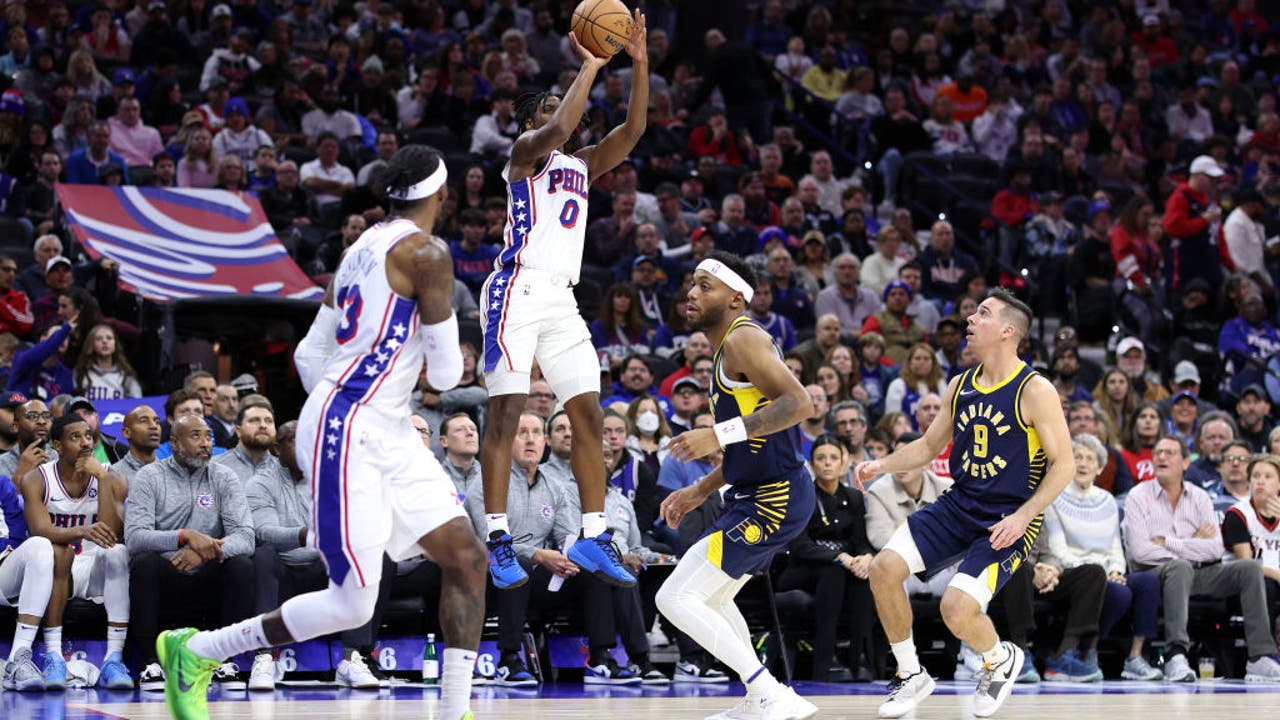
x=647 y=422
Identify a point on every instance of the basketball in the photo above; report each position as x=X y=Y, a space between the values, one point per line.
x=602 y=26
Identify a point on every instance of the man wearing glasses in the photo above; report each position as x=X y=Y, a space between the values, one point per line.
x=15 y=306
x=1169 y=526
x=1234 y=471
x=849 y=421
x=32 y=419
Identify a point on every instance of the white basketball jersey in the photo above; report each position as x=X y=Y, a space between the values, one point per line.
x=67 y=511
x=547 y=218
x=379 y=350
x=1266 y=540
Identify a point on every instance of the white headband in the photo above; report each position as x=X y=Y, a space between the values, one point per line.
x=727 y=276
x=424 y=188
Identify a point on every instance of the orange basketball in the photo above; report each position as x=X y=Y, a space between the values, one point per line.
x=602 y=26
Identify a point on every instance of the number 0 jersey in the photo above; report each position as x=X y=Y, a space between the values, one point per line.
x=996 y=458
x=547 y=218
x=754 y=460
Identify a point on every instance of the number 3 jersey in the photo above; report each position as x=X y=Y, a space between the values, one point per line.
x=996 y=459
x=379 y=350
x=547 y=218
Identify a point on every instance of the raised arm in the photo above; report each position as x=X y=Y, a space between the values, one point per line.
x=620 y=141
x=919 y=452
x=538 y=143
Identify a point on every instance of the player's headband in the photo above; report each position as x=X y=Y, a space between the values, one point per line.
x=727 y=276
x=424 y=188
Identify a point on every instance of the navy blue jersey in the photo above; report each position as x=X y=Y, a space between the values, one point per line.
x=757 y=459
x=996 y=458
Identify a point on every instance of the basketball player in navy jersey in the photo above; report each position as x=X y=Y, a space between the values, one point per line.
x=758 y=405
x=529 y=310
x=1010 y=459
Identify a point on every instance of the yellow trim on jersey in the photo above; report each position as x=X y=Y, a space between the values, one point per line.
x=1017 y=403
x=748 y=399
x=715 y=548
x=986 y=391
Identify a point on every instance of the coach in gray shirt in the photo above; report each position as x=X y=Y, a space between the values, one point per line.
x=256 y=429
x=141 y=430
x=190 y=536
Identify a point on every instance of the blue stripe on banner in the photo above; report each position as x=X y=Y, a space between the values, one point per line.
x=495 y=303
x=521 y=221
x=330 y=494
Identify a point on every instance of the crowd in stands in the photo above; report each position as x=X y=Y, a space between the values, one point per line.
x=879 y=167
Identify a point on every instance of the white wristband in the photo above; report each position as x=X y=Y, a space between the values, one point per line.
x=730 y=431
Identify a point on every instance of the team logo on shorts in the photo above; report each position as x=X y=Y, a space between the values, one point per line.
x=748 y=531
x=205 y=500
x=548 y=512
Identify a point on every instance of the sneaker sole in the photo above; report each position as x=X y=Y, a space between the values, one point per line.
x=1138 y=678
x=262 y=688
x=608 y=681
x=700 y=680
x=1261 y=679
x=610 y=580
x=512 y=586
x=928 y=690
x=655 y=681
x=152 y=686
x=515 y=684
x=233 y=685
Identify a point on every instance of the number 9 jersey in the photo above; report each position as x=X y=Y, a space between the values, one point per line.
x=547 y=218
x=996 y=459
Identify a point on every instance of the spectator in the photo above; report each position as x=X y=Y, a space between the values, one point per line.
x=231 y=175
x=635 y=380
x=197 y=550
x=920 y=375
x=233 y=64
x=328 y=119
x=880 y=269
x=995 y=131
x=197 y=168
x=948 y=135
x=1158 y=48
x=495 y=133
x=790 y=299
x=385 y=145
x=1254 y=411
x=1113 y=473
x=650 y=436
x=256 y=432
x=84 y=165
x=1250 y=530
x=674 y=224
x=845 y=298
x=715 y=140
x=216 y=96
x=164 y=171
x=15 y=307
x=619 y=330
x=371 y=98
x=472 y=258
x=325 y=177
x=1082 y=528
x=226 y=407
x=611 y=238
x=1169 y=527
x=858 y=102
x=1131 y=358
x=1066 y=367
x=1115 y=398
x=825 y=80
x=238 y=137
x=287 y=204
x=833 y=548
x=942 y=266
x=1190 y=220
x=30 y=448
x=741 y=76
x=1246 y=339
x=969 y=100
x=1139 y=436
x=1233 y=469
x=1245 y=235
x=1189 y=122
x=84 y=76
x=899 y=329
x=102 y=371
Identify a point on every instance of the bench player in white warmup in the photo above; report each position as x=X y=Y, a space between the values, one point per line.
x=529 y=309
x=77 y=503
x=375 y=487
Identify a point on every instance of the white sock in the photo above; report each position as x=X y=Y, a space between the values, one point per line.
x=115 y=639
x=497 y=522
x=905 y=653
x=455 y=683
x=996 y=655
x=762 y=684
x=593 y=524
x=53 y=640
x=23 y=636
x=229 y=641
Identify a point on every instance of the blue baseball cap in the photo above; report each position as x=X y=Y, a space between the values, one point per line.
x=1098 y=206
x=236 y=104
x=772 y=233
x=123 y=75
x=896 y=284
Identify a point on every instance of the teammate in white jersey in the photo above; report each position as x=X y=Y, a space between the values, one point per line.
x=529 y=310
x=78 y=504
x=375 y=487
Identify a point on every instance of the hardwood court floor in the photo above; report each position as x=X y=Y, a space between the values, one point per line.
x=1214 y=700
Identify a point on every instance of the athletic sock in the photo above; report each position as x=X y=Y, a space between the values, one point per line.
x=593 y=524
x=762 y=683
x=229 y=641
x=455 y=683
x=497 y=522
x=905 y=653
x=996 y=655
x=23 y=636
x=53 y=640
x=115 y=639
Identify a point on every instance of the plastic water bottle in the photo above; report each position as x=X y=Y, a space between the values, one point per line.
x=430 y=663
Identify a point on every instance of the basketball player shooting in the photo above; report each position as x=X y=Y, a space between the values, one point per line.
x=375 y=487
x=1010 y=459
x=529 y=310
x=757 y=404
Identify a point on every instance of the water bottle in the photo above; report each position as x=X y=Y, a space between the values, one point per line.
x=430 y=663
